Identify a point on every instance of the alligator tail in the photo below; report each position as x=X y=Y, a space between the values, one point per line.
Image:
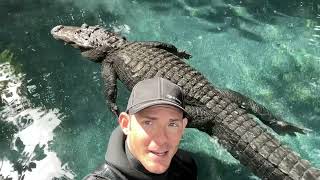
x=257 y=149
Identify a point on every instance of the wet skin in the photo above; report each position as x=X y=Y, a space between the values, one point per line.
x=153 y=135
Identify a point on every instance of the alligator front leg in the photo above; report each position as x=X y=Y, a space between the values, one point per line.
x=110 y=82
x=169 y=47
x=96 y=54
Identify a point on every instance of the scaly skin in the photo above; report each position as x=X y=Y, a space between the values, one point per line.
x=216 y=112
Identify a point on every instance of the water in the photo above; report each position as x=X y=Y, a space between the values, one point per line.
x=55 y=124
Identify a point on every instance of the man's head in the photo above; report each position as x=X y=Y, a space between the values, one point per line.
x=154 y=123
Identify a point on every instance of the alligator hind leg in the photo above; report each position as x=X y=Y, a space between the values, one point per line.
x=268 y=118
x=201 y=118
x=169 y=47
x=110 y=83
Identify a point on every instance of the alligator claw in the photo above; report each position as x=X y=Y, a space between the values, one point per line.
x=115 y=110
x=184 y=55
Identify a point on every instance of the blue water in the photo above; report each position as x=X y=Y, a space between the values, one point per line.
x=56 y=125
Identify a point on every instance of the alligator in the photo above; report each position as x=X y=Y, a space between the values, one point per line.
x=224 y=114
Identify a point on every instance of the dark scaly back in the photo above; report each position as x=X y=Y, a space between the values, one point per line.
x=102 y=37
x=142 y=62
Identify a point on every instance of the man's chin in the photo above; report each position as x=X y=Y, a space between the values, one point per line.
x=157 y=169
x=157 y=163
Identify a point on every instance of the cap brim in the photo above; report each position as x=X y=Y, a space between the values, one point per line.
x=140 y=107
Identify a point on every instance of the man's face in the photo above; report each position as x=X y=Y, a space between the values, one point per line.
x=154 y=135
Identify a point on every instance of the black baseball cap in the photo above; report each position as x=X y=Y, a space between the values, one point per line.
x=155 y=91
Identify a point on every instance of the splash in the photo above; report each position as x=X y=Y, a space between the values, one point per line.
x=29 y=156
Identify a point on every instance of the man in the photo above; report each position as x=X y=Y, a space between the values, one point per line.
x=145 y=145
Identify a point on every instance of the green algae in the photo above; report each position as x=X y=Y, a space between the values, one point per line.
x=7 y=56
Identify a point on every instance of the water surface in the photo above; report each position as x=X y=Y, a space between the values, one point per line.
x=54 y=120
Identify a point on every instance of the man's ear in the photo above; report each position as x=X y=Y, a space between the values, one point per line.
x=124 y=121
x=185 y=122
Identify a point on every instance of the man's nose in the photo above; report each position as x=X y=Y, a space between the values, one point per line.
x=161 y=137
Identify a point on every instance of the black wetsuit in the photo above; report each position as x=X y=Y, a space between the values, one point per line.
x=121 y=165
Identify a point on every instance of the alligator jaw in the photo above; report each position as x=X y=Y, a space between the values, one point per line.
x=56 y=29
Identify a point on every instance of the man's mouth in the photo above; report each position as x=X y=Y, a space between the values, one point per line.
x=160 y=153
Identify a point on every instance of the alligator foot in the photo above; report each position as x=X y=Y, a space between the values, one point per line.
x=115 y=110
x=184 y=54
x=282 y=127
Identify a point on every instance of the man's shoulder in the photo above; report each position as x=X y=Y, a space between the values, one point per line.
x=184 y=156
x=105 y=172
x=183 y=165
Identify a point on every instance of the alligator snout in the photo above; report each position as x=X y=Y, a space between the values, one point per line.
x=56 y=29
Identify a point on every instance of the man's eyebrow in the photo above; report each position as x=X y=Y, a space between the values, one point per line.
x=149 y=117
x=155 y=118
x=174 y=120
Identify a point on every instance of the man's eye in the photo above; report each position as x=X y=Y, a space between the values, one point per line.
x=173 y=124
x=147 y=122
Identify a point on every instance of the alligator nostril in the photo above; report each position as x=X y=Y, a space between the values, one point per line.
x=56 y=29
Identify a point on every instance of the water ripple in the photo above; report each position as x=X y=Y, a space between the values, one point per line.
x=29 y=156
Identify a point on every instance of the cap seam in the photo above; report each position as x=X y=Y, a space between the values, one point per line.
x=137 y=108
x=155 y=100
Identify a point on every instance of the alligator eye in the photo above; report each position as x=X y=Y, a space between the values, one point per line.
x=96 y=28
x=84 y=25
x=78 y=31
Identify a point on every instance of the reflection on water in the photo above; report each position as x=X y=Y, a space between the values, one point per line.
x=54 y=120
x=27 y=154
